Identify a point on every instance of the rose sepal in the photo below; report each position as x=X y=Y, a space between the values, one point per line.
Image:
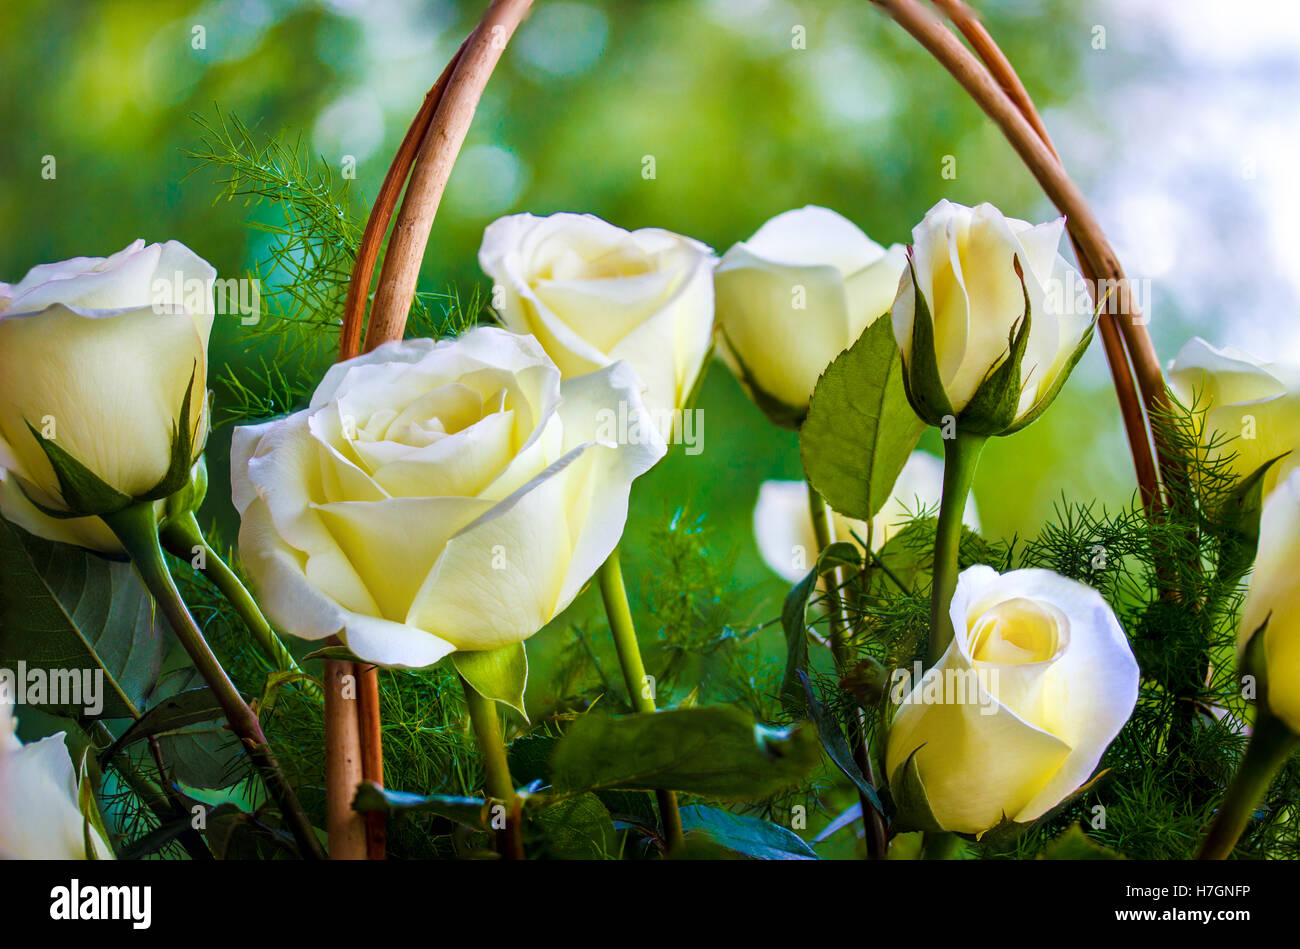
x=92 y=817
x=500 y=675
x=992 y=408
x=912 y=810
x=1238 y=520
x=87 y=494
x=1041 y=405
x=921 y=380
x=183 y=452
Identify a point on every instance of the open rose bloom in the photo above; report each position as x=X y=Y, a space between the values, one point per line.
x=1015 y=716
x=436 y=496
x=593 y=293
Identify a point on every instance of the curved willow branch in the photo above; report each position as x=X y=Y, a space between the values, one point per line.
x=1005 y=101
x=354 y=741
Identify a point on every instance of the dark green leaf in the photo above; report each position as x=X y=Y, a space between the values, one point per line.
x=177 y=475
x=716 y=751
x=860 y=428
x=794 y=620
x=179 y=711
x=992 y=409
x=1074 y=844
x=203 y=753
x=837 y=748
x=922 y=383
x=62 y=608
x=911 y=803
x=576 y=828
x=1239 y=516
x=463 y=810
x=747 y=837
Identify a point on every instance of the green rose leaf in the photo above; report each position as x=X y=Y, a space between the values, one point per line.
x=497 y=674
x=794 y=620
x=836 y=746
x=472 y=811
x=716 y=751
x=62 y=608
x=191 y=707
x=860 y=428
x=576 y=828
x=739 y=836
x=199 y=749
x=1074 y=844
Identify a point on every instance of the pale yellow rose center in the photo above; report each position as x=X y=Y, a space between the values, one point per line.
x=614 y=262
x=1015 y=632
x=445 y=411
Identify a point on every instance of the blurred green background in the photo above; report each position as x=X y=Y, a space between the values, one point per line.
x=742 y=125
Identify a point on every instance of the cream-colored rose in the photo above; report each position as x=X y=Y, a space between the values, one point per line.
x=1017 y=713
x=39 y=816
x=1273 y=597
x=96 y=354
x=592 y=294
x=1253 y=403
x=964 y=261
x=796 y=295
x=437 y=496
x=783 y=522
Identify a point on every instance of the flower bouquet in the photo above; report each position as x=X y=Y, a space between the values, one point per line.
x=418 y=639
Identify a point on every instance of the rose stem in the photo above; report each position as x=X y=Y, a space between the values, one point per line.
x=961 y=455
x=496 y=770
x=1096 y=256
x=1270 y=746
x=158 y=796
x=623 y=630
x=137 y=529
x=183 y=538
x=877 y=837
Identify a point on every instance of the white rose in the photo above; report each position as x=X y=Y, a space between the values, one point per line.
x=97 y=354
x=964 y=261
x=1015 y=716
x=783 y=522
x=39 y=816
x=1273 y=597
x=796 y=295
x=1254 y=403
x=593 y=293
x=436 y=496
